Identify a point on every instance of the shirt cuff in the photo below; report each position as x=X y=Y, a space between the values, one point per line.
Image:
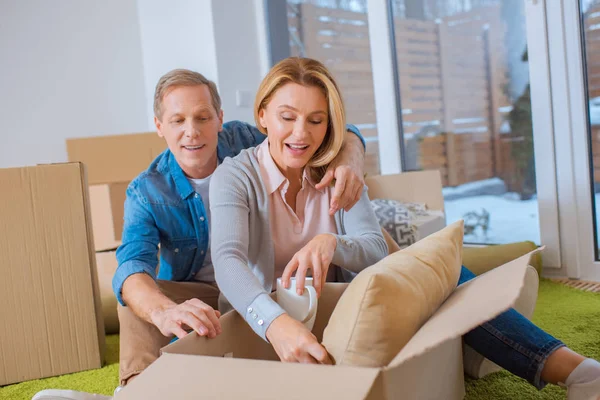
x=344 y=245
x=261 y=313
x=356 y=131
x=124 y=271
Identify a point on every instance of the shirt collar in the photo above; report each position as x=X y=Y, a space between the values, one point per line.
x=306 y=176
x=269 y=171
x=272 y=175
x=223 y=150
x=184 y=188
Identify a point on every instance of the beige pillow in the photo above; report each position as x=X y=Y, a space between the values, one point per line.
x=387 y=303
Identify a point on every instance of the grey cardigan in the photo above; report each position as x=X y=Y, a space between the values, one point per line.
x=241 y=245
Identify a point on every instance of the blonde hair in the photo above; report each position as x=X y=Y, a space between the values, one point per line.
x=183 y=77
x=308 y=72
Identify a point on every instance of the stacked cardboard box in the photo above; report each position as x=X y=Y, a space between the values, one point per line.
x=112 y=162
x=49 y=296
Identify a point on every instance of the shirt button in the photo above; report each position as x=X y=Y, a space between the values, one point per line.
x=202 y=252
x=177 y=250
x=201 y=218
x=254 y=316
x=250 y=309
x=196 y=195
x=260 y=322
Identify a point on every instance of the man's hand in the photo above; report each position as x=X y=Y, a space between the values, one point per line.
x=294 y=343
x=348 y=171
x=192 y=314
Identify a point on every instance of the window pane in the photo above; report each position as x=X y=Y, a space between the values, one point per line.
x=591 y=33
x=466 y=111
x=336 y=32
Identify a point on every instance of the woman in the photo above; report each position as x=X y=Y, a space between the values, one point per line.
x=270 y=211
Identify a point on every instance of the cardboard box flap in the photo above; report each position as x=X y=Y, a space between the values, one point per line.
x=471 y=304
x=193 y=377
x=412 y=187
x=244 y=344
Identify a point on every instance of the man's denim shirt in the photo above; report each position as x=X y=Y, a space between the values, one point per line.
x=161 y=207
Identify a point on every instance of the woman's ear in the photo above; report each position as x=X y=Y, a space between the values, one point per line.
x=261 y=119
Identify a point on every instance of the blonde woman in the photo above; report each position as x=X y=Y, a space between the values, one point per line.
x=270 y=211
x=274 y=222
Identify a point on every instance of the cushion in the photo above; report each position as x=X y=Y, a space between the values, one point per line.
x=395 y=218
x=485 y=258
x=385 y=305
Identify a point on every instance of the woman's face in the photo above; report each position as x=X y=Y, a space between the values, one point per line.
x=296 y=120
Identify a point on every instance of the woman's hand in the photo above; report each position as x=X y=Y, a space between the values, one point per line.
x=315 y=255
x=294 y=343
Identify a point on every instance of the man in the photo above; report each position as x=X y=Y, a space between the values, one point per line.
x=168 y=205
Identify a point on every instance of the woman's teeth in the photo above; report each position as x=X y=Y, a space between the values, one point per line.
x=193 y=147
x=296 y=146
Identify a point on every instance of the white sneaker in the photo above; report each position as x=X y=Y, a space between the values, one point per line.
x=56 y=394
x=584 y=391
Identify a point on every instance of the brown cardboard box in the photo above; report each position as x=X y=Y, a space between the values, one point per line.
x=107 y=265
x=117 y=158
x=239 y=364
x=424 y=187
x=416 y=187
x=49 y=296
x=107 y=206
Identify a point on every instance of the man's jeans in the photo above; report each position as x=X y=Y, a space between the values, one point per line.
x=513 y=342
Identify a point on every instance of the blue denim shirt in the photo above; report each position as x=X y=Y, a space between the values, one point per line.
x=161 y=207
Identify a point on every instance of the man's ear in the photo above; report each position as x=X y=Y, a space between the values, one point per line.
x=158 y=125
x=220 y=120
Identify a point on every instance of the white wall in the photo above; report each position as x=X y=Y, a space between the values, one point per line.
x=241 y=55
x=175 y=35
x=77 y=68
x=69 y=68
x=225 y=40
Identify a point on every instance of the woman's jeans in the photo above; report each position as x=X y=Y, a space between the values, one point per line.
x=513 y=342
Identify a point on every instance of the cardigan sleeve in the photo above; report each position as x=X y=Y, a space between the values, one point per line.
x=230 y=214
x=360 y=242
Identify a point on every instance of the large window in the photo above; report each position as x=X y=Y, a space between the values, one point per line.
x=590 y=13
x=463 y=86
x=337 y=34
x=466 y=111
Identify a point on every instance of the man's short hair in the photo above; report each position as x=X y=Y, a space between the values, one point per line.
x=182 y=77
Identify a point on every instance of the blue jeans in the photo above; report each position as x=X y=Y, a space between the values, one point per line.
x=513 y=342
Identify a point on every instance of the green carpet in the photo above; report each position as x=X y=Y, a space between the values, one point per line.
x=568 y=314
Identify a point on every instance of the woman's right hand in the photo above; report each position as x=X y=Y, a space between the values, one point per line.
x=294 y=343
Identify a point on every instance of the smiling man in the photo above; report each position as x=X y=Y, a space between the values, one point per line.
x=167 y=205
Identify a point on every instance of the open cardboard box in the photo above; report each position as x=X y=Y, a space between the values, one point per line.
x=239 y=364
x=423 y=187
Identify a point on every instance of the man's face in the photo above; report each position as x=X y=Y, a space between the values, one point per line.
x=190 y=125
